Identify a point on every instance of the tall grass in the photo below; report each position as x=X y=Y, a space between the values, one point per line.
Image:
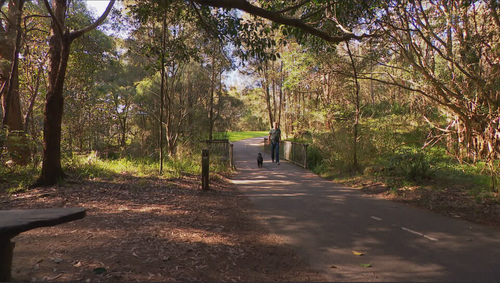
x=90 y=166
x=17 y=178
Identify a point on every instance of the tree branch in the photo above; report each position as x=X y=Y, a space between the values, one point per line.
x=58 y=24
x=276 y=17
x=77 y=34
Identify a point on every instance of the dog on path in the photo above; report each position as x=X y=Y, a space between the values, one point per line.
x=259 y=160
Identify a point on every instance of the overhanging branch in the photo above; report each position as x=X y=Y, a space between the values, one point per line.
x=77 y=34
x=54 y=18
x=276 y=17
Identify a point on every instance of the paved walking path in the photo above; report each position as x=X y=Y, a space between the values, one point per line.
x=324 y=222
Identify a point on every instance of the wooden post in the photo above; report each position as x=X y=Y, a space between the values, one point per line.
x=231 y=159
x=6 y=253
x=305 y=159
x=205 y=165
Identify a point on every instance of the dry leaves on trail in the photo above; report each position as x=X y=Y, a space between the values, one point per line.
x=151 y=230
x=357 y=253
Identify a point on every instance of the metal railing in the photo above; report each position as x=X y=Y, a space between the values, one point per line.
x=292 y=151
x=221 y=148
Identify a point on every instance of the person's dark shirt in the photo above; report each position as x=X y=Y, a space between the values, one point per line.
x=275 y=135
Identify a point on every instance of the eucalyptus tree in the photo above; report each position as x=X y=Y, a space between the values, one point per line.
x=167 y=32
x=312 y=23
x=33 y=64
x=217 y=61
x=450 y=51
x=10 y=46
x=328 y=21
x=60 y=42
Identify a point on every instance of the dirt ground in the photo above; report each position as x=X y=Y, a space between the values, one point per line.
x=157 y=230
x=140 y=229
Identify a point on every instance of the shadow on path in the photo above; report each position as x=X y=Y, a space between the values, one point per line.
x=324 y=222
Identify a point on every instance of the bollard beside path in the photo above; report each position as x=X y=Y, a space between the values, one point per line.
x=205 y=165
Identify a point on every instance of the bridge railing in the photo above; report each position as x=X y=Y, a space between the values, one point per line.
x=294 y=152
x=222 y=148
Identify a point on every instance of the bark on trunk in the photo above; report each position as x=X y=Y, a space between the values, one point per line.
x=51 y=169
x=59 y=54
x=10 y=44
x=268 y=96
x=355 y=164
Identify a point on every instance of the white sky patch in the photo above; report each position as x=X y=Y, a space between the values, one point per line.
x=98 y=6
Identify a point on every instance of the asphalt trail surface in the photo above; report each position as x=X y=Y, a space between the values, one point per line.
x=325 y=222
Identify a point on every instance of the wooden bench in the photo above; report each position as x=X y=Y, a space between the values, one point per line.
x=14 y=222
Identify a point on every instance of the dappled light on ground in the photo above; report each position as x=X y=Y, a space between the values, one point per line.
x=325 y=222
x=151 y=230
x=263 y=181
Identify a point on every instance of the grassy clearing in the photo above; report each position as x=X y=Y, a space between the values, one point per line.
x=237 y=136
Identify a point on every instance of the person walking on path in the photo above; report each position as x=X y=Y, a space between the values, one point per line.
x=274 y=141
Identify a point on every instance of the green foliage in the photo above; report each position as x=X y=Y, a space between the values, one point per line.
x=390 y=150
x=475 y=177
x=385 y=108
x=315 y=159
x=178 y=166
x=186 y=161
x=332 y=152
x=3 y=140
x=91 y=166
x=251 y=122
x=253 y=116
x=410 y=163
x=15 y=178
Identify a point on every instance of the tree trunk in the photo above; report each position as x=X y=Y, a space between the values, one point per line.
x=59 y=54
x=162 y=90
x=60 y=43
x=51 y=169
x=12 y=119
x=355 y=164
x=211 y=103
x=28 y=117
x=268 y=96
x=280 y=106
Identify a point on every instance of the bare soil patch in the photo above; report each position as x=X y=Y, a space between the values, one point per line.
x=149 y=229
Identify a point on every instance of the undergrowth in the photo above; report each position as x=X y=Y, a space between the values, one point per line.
x=92 y=167
x=389 y=150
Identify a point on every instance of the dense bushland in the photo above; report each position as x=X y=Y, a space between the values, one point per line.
x=392 y=148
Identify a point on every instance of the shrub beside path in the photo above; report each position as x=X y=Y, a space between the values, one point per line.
x=349 y=236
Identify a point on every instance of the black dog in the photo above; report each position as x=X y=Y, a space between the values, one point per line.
x=259 y=160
